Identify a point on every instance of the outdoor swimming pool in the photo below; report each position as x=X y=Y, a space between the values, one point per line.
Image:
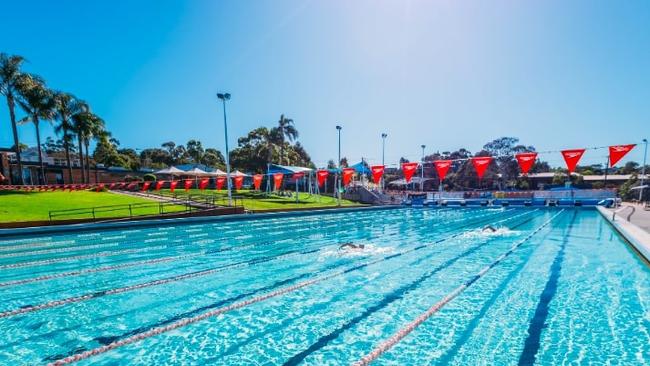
x=549 y=286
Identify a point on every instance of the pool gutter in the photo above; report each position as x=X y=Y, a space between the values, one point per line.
x=28 y=231
x=638 y=238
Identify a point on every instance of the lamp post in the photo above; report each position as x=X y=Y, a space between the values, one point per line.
x=422 y=169
x=383 y=150
x=338 y=181
x=224 y=97
x=645 y=155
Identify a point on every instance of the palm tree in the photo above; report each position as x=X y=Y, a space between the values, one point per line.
x=66 y=107
x=87 y=125
x=38 y=102
x=286 y=131
x=10 y=78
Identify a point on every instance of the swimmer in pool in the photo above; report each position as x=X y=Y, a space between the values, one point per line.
x=350 y=246
x=489 y=228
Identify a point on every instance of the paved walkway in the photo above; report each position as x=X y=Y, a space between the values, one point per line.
x=640 y=218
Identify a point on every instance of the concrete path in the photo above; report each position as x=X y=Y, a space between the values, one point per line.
x=640 y=217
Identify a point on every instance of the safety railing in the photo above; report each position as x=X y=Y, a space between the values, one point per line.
x=623 y=209
x=122 y=211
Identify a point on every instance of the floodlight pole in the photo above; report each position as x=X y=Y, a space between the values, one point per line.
x=224 y=97
x=422 y=169
x=340 y=172
x=383 y=150
x=645 y=155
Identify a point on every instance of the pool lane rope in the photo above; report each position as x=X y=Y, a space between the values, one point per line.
x=131 y=264
x=238 y=305
x=399 y=335
x=201 y=273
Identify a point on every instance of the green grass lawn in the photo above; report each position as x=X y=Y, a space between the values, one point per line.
x=258 y=201
x=35 y=206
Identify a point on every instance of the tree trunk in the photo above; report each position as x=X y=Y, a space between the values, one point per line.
x=81 y=158
x=41 y=178
x=67 y=152
x=88 y=163
x=14 y=128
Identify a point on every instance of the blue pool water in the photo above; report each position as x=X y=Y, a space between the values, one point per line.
x=555 y=287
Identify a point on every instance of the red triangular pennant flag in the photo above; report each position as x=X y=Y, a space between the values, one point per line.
x=377 y=172
x=442 y=167
x=617 y=152
x=257 y=181
x=159 y=185
x=321 y=175
x=188 y=184
x=220 y=182
x=571 y=157
x=409 y=169
x=526 y=161
x=204 y=183
x=277 y=180
x=145 y=186
x=172 y=185
x=239 y=181
x=481 y=164
x=347 y=175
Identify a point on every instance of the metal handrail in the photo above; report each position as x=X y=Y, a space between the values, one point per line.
x=623 y=209
x=93 y=211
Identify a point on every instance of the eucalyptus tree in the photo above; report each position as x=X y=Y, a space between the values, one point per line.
x=10 y=78
x=38 y=103
x=66 y=107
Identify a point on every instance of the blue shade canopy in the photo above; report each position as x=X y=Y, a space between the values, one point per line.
x=361 y=168
x=285 y=169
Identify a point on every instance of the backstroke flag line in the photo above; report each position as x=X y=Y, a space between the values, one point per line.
x=172 y=185
x=617 y=152
x=442 y=167
x=481 y=164
x=526 y=161
x=377 y=172
x=188 y=184
x=220 y=183
x=572 y=157
x=409 y=169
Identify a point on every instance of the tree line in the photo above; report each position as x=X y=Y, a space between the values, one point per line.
x=72 y=117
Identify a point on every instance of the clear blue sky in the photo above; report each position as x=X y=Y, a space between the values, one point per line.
x=448 y=74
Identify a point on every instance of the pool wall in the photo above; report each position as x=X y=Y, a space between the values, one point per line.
x=637 y=237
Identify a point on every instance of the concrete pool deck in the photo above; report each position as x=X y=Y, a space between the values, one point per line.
x=636 y=231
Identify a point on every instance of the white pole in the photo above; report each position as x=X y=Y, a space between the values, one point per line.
x=645 y=155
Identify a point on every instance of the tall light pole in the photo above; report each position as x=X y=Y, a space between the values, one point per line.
x=422 y=169
x=645 y=155
x=224 y=97
x=383 y=150
x=340 y=172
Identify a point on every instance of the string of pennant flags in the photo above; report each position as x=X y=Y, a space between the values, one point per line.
x=525 y=160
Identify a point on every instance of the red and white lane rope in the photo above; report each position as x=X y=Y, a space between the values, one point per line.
x=238 y=305
x=399 y=335
x=77 y=257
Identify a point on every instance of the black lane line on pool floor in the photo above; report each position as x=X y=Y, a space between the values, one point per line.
x=93 y=295
x=410 y=327
x=388 y=299
x=186 y=321
x=538 y=322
